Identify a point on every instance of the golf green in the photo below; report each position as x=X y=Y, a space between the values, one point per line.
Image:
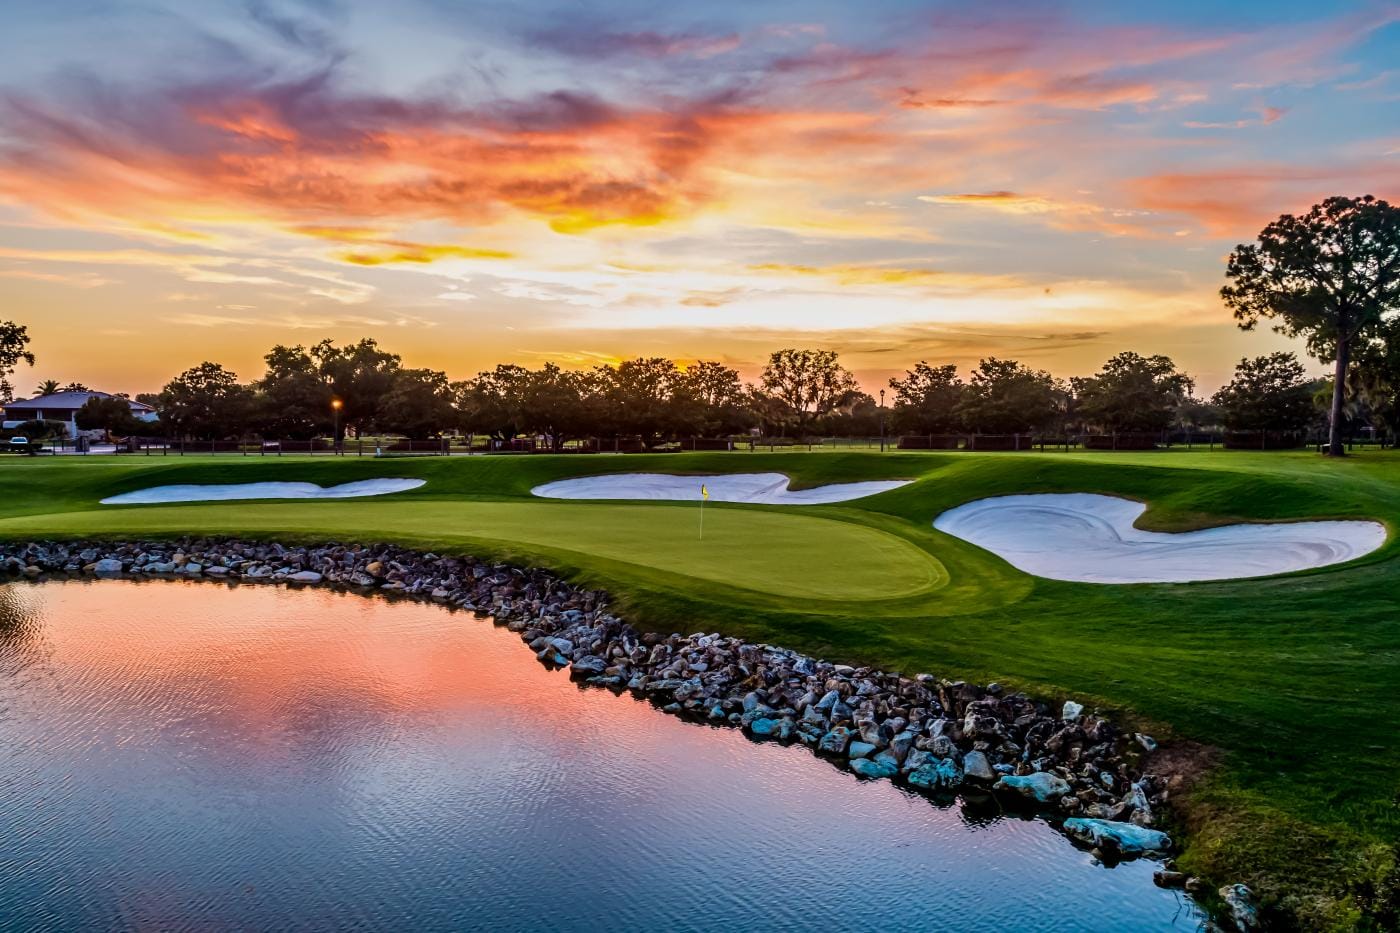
x=777 y=553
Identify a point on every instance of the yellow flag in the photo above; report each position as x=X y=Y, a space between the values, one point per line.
x=704 y=491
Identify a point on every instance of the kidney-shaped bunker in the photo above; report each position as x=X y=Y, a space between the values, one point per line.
x=236 y=491
x=1090 y=538
x=762 y=488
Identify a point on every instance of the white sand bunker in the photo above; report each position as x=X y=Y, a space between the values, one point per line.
x=366 y=487
x=1091 y=539
x=764 y=488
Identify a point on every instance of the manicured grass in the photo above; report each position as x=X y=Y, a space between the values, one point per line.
x=801 y=557
x=1294 y=679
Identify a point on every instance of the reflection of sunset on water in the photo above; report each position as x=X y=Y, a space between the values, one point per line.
x=284 y=673
x=182 y=754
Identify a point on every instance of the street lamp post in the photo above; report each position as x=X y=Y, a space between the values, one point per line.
x=336 y=406
x=882 y=421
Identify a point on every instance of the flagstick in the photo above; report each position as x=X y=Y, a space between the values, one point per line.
x=702 y=519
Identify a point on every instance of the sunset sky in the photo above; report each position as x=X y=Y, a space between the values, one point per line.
x=580 y=182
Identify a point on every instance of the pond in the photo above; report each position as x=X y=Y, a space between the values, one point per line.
x=183 y=755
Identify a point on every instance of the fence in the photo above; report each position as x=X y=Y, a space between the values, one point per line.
x=479 y=444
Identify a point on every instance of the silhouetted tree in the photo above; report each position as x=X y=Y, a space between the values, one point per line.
x=1007 y=397
x=491 y=402
x=1197 y=415
x=558 y=403
x=360 y=375
x=710 y=400
x=1267 y=393
x=510 y=399
x=1375 y=377
x=856 y=415
x=109 y=414
x=639 y=396
x=811 y=383
x=769 y=412
x=294 y=397
x=206 y=402
x=14 y=341
x=926 y=400
x=1132 y=393
x=1328 y=276
x=296 y=391
x=418 y=404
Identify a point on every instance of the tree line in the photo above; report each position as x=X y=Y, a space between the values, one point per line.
x=800 y=393
x=1330 y=276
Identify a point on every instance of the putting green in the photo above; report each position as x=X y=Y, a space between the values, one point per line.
x=780 y=554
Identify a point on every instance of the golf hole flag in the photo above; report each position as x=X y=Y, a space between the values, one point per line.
x=704 y=495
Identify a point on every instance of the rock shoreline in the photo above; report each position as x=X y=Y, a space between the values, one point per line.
x=939 y=736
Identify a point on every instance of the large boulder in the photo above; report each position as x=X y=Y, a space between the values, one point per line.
x=977 y=767
x=944 y=747
x=901 y=744
x=1123 y=838
x=551 y=656
x=874 y=767
x=588 y=666
x=938 y=774
x=1042 y=787
x=107 y=565
x=835 y=741
x=763 y=726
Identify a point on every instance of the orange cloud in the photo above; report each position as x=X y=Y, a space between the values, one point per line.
x=318 y=162
x=302 y=153
x=338 y=234
x=420 y=253
x=1060 y=214
x=864 y=275
x=971 y=95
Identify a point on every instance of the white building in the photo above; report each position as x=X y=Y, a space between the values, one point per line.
x=63 y=406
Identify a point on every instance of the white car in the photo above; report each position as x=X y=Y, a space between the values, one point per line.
x=19 y=442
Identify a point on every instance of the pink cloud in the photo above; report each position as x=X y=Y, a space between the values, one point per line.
x=1238 y=201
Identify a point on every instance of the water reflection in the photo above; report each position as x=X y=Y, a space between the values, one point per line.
x=192 y=756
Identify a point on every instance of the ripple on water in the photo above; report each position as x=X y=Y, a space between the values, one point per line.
x=184 y=755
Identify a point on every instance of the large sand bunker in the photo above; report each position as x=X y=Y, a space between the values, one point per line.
x=367 y=487
x=764 y=488
x=1089 y=538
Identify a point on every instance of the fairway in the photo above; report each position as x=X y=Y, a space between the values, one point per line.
x=1289 y=683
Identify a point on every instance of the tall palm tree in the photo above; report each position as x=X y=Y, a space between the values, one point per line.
x=47 y=387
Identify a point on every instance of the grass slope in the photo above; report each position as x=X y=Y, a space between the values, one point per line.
x=1293 y=678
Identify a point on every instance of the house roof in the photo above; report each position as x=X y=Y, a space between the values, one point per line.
x=66 y=400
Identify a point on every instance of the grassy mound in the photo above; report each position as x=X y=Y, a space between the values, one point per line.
x=1293 y=679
